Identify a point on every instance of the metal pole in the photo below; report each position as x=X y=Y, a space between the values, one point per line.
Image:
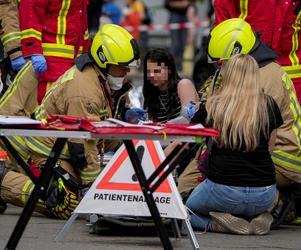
x=148 y=195
x=38 y=190
x=65 y=227
x=191 y=235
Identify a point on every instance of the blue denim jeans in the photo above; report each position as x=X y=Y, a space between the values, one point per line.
x=244 y=201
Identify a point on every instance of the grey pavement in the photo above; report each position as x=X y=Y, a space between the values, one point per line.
x=40 y=231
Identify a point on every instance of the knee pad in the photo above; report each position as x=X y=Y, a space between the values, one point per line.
x=77 y=154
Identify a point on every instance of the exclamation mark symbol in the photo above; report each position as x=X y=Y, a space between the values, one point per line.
x=140 y=152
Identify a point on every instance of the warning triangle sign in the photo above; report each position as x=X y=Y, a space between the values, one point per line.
x=116 y=191
x=120 y=178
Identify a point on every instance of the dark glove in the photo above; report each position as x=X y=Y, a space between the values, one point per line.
x=61 y=202
x=135 y=115
x=18 y=63
x=39 y=64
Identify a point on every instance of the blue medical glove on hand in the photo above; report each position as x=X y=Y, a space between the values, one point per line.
x=188 y=111
x=18 y=63
x=39 y=64
x=135 y=115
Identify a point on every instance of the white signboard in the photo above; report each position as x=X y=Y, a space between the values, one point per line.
x=116 y=190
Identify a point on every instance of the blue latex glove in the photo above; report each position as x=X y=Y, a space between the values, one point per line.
x=135 y=115
x=188 y=111
x=39 y=64
x=18 y=63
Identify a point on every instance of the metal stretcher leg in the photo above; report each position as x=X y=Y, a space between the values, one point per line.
x=148 y=195
x=148 y=187
x=39 y=189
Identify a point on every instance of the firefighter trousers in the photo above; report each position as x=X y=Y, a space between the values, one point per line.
x=16 y=188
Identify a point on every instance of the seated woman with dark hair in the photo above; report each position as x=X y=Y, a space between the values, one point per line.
x=165 y=93
x=241 y=174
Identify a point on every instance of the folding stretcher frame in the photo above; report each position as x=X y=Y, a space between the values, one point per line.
x=42 y=183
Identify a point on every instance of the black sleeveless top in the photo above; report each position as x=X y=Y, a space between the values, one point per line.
x=168 y=107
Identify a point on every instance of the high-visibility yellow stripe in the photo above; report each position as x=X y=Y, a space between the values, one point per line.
x=89 y=176
x=27 y=188
x=49 y=86
x=286 y=80
x=61 y=22
x=293 y=71
x=58 y=54
x=31 y=33
x=10 y=37
x=118 y=103
x=68 y=75
x=295 y=41
x=40 y=202
x=86 y=35
x=286 y=160
x=295 y=109
x=80 y=51
x=13 y=87
x=19 y=144
x=39 y=111
x=39 y=147
x=59 y=50
x=243 y=9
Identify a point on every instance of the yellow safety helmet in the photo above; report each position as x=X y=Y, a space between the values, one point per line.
x=113 y=44
x=232 y=36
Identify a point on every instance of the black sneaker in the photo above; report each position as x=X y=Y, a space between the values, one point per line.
x=284 y=206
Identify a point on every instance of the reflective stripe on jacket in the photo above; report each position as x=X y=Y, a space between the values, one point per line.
x=84 y=96
x=57 y=29
x=11 y=37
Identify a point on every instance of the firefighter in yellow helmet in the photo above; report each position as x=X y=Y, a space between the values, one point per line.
x=235 y=36
x=84 y=91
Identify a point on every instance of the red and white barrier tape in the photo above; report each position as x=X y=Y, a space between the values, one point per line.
x=170 y=26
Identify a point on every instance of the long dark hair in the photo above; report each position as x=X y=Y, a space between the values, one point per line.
x=150 y=92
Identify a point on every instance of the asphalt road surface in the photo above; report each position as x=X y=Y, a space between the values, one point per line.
x=40 y=231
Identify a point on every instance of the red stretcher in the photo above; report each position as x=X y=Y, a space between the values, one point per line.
x=64 y=127
x=62 y=122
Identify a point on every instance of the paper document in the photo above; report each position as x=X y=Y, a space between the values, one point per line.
x=196 y=126
x=17 y=120
x=179 y=120
x=111 y=122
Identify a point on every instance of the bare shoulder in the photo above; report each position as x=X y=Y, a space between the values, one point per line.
x=187 y=91
x=186 y=85
x=185 y=82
